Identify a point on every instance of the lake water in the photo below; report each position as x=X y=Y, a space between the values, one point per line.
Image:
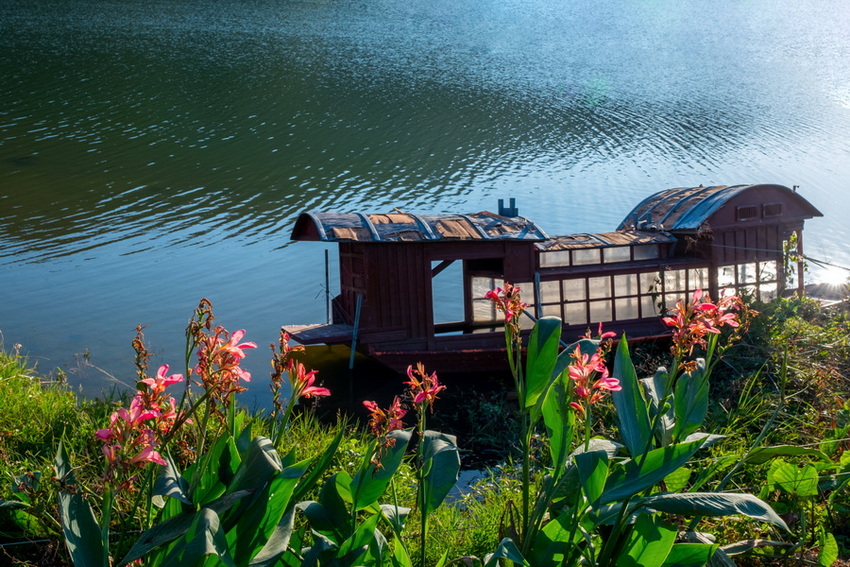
x=153 y=153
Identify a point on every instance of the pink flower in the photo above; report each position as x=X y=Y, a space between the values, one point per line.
x=302 y=383
x=424 y=387
x=237 y=349
x=382 y=422
x=590 y=378
x=507 y=300
x=158 y=384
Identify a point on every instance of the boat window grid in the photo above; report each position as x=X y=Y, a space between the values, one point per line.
x=756 y=280
x=605 y=255
x=746 y=212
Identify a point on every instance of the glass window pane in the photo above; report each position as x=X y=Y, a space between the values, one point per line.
x=649 y=282
x=674 y=280
x=617 y=254
x=600 y=311
x=574 y=290
x=697 y=279
x=625 y=284
x=599 y=287
x=575 y=313
x=648 y=306
x=584 y=256
x=550 y=292
x=768 y=271
x=646 y=252
x=627 y=308
x=747 y=273
x=726 y=276
x=767 y=291
x=482 y=308
x=555 y=258
x=553 y=310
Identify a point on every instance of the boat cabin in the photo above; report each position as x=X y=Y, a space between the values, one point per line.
x=393 y=298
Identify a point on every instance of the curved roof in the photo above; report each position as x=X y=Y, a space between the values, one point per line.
x=402 y=227
x=688 y=208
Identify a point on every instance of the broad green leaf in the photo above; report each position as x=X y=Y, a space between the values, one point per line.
x=543 y=345
x=690 y=402
x=329 y=516
x=257 y=522
x=747 y=545
x=764 y=454
x=632 y=479
x=371 y=480
x=203 y=539
x=828 y=552
x=441 y=466
x=677 y=480
x=648 y=544
x=400 y=557
x=656 y=388
x=79 y=526
x=395 y=515
x=170 y=484
x=363 y=537
x=592 y=472
x=559 y=419
x=552 y=543
x=632 y=414
x=507 y=550
x=176 y=526
x=690 y=554
x=800 y=481
x=277 y=543
x=714 y=504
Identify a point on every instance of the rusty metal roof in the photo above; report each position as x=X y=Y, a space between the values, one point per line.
x=687 y=208
x=406 y=227
x=605 y=240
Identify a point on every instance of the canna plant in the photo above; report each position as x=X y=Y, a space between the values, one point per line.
x=234 y=501
x=601 y=502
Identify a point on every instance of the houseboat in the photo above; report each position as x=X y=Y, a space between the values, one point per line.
x=715 y=238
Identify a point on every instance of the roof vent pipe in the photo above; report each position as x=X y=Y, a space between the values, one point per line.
x=510 y=211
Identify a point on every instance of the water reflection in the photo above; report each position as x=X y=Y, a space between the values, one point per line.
x=143 y=142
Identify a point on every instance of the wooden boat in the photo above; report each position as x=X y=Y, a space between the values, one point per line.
x=392 y=286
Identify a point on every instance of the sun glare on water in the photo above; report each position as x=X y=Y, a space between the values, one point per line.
x=833 y=276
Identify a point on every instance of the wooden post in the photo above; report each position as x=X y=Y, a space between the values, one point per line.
x=801 y=286
x=356 y=332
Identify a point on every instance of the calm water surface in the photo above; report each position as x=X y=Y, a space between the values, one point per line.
x=155 y=153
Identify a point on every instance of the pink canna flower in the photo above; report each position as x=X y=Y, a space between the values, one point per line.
x=302 y=383
x=424 y=387
x=237 y=349
x=381 y=421
x=160 y=382
x=507 y=300
x=590 y=378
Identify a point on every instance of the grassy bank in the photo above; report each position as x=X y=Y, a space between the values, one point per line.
x=780 y=398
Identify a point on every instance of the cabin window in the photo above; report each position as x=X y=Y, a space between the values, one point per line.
x=698 y=278
x=585 y=256
x=550 y=292
x=575 y=313
x=772 y=210
x=645 y=252
x=555 y=259
x=617 y=254
x=483 y=310
x=599 y=287
x=759 y=280
x=601 y=311
x=674 y=280
x=746 y=212
x=627 y=308
x=625 y=284
x=574 y=290
x=648 y=306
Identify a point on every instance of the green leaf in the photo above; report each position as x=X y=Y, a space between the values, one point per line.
x=507 y=550
x=764 y=454
x=690 y=554
x=371 y=480
x=592 y=472
x=559 y=419
x=395 y=515
x=648 y=544
x=655 y=389
x=176 y=526
x=257 y=522
x=542 y=351
x=79 y=526
x=828 y=552
x=632 y=414
x=677 y=480
x=441 y=465
x=714 y=504
x=169 y=483
x=658 y=463
x=400 y=557
x=309 y=481
x=799 y=481
x=365 y=536
x=690 y=402
x=204 y=538
x=277 y=543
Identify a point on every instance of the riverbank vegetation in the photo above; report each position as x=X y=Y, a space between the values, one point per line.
x=729 y=448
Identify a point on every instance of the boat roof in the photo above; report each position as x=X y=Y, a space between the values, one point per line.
x=605 y=240
x=404 y=227
x=687 y=208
